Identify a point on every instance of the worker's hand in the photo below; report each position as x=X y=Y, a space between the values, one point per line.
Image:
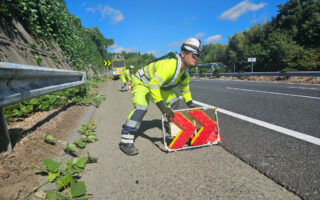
x=165 y=110
x=190 y=104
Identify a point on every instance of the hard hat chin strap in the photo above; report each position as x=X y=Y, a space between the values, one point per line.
x=184 y=61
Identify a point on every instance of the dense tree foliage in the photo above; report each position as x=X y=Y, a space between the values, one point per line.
x=214 y=53
x=289 y=42
x=137 y=59
x=49 y=20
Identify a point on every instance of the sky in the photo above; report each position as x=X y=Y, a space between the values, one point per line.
x=160 y=26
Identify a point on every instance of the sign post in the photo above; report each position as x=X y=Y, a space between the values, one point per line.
x=252 y=60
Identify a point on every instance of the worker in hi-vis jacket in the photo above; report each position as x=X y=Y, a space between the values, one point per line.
x=126 y=76
x=157 y=80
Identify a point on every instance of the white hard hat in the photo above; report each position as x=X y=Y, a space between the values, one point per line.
x=131 y=67
x=193 y=45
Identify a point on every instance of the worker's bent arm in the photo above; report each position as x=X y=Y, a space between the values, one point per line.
x=122 y=77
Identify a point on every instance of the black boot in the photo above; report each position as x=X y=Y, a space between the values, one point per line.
x=128 y=148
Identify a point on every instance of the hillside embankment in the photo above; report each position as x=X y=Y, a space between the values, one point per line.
x=18 y=46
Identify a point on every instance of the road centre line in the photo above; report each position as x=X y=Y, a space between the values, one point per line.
x=295 y=134
x=294 y=95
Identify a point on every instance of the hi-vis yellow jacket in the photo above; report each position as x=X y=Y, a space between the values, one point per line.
x=125 y=76
x=166 y=73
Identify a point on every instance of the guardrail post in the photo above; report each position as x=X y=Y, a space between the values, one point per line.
x=5 y=141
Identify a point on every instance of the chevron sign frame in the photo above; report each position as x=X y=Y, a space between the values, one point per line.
x=198 y=130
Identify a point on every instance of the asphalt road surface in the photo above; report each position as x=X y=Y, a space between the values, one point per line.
x=293 y=108
x=204 y=173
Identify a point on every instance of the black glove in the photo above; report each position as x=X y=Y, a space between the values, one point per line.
x=190 y=104
x=165 y=110
x=125 y=84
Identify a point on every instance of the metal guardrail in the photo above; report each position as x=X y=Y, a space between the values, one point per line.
x=21 y=82
x=302 y=73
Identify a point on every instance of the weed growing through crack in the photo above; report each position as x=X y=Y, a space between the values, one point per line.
x=88 y=135
x=87 y=132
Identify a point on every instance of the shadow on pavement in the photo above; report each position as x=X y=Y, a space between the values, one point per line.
x=145 y=125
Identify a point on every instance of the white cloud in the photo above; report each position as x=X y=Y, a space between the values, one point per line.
x=153 y=52
x=214 y=38
x=175 y=44
x=239 y=9
x=188 y=21
x=92 y=10
x=115 y=15
x=119 y=49
x=179 y=43
x=199 y=35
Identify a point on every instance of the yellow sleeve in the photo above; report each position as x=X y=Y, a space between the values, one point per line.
x=164 y=72
x=185 y=90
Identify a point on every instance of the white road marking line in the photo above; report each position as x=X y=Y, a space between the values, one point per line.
x=294 y=95
x=295 y=134
x=305 y=88
x=275 y=82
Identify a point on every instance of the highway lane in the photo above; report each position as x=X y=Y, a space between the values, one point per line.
x=291 y=162
x=204 y=173
x=300 y=112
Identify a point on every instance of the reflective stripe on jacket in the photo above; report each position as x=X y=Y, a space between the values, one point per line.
x=165 y=73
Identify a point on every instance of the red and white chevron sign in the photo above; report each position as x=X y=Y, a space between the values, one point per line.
x=187 y=129
x=207 y=133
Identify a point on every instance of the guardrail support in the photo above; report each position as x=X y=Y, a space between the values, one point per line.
x=4 y=133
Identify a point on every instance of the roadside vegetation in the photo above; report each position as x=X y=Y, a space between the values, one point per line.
x=49 y=21
x=137 y=60
x=65 y=175
x=77 y=96
x=289 y=42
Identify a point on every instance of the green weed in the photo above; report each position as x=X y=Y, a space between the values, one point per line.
x=55 y=100
x=66 y=178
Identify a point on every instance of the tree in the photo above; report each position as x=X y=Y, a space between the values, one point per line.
x=301 y=19
x=137 y=59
